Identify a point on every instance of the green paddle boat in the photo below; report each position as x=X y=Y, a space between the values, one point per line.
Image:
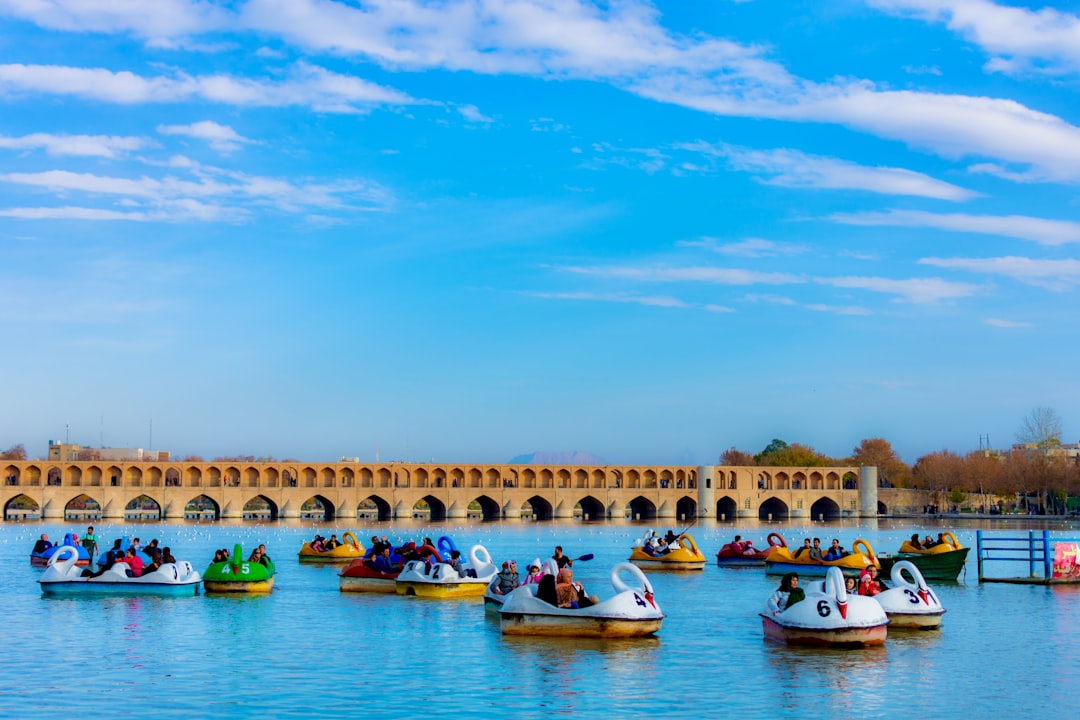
x=237 y=575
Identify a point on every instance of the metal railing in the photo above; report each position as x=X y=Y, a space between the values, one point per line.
x=1036 y=550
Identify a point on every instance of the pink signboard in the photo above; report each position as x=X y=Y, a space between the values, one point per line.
x=1065 y=567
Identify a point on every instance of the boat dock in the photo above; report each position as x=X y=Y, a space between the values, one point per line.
x=1050 y=561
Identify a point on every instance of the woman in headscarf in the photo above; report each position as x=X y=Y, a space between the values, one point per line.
x=565 y=590
x=786 y=595
x=545 y=590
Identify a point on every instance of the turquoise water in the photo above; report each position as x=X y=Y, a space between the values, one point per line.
x=308 y=650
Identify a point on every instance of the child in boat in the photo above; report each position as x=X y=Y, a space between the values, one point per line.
x=532 y=577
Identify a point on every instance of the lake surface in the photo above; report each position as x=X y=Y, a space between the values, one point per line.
x=307 y=650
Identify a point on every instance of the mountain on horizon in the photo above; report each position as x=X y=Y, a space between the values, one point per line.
x=573 y=457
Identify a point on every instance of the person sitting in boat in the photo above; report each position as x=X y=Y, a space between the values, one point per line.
x=672 y=544
x=317 y=545
x=134 y=562
x=333 y=542
x=219 y=555
x=670 y=537
x=815 y=551
x=786 y=595
x=454 y=561
x=264 y=559
x=408 y=552
x=869 y=584
x=383 y=563
x=836 y=551
x=42 y=544
x=507 y=580
x=804 y=549
x=927 y=543
x=532 y=577
x=565 y=590
x=155 y=561
x=940 y=540
x=167 y=556
x=851 y=585
x=546 y=590
x=748 y=548
x=914 y=542
x=255 y=556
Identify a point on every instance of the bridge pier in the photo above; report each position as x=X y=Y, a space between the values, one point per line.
x=113 y=510
x=562 y=512
x=868 y=491
x=457 y=511
x=400 y=512
x=666 y=511
x=52 y=510
x=345 y=511
x=232 y=511
x=290 y=511
x=510 y=511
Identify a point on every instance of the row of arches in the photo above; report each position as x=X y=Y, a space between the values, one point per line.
x=373 y=507
x=150 y=475
x=824 y=509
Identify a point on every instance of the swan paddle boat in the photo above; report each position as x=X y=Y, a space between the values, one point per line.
x=744 y=554
x=942 y=562
x=828 y=617
x=359 y=576
x=781 y=561
x=440 y=580
x=631 y=612
x=41 y=558
x=350 y=549
x=237 y=575
x=64 y=576
x=494 y=600
x=685 y=557
x=910 y=603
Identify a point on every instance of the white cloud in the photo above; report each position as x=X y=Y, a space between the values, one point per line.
x=473 y=114
x=792 y=168
x=648 y=300
x=1040 y=230
x=1008 y=324
x=70 y=213
x=157 y=20
x=720 y=276
x=914 y=290
x=307 y=85
x=1055 y=275
x=106 y=146
x=1044 y=39
x=816 y=307
x=221 y=137
x=750 y=248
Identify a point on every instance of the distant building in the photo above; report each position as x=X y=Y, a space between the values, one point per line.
x=1071 y=451
x=69 y=452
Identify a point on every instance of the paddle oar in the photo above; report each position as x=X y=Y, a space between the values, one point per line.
x=584 y=558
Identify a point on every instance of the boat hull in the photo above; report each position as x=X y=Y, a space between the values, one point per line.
x=747 y=561
x=367 y=584
x=912 y=621
x=936 y=567
x=440 y=591
x=239 y=586
x=833 y=637
x=589 y=627
x=89 y=589
x=673 y=565
x=807 y=569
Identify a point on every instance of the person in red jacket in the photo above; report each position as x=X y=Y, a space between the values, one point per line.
x=134 y=562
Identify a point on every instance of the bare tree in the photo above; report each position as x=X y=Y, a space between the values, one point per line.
x=1042 y=427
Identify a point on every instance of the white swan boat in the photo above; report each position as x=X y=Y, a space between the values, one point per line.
x=64 y=577
x=440 y=580
x=828 y=617
x=910 y=603
x=631 y=612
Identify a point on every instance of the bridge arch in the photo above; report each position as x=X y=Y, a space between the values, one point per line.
x=202 y=507
x=641 y=508
x=22 y=507
x=825 y=509
x=773 y=509
x=726 y=509
x=489 y=508
x=541 y=508
x=882 y=509
x=436 y=508
x=592 y=509
x=317 y=507
x=53 y=476
x=83 y=507
x=260 y=507
x=686 y=508
x=374 y=507
x=142 y=507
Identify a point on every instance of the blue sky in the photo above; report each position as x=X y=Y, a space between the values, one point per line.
x=462 y=231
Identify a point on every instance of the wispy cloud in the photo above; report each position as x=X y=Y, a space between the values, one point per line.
x=913 y=290
x=1007 y=324
x=719 y=276
x=1021 y=227
x=749 y=248
x=815 y=307
x=220 y=137
x=1056 y=275
x=105 y=146
x=1022 y=39
x=307 y=85
x=649 y=300
x=792 y=168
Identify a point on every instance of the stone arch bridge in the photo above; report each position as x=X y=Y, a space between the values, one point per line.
x=116 y=491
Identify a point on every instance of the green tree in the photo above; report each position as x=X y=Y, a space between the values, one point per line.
x=762 y=458
x=797 y=455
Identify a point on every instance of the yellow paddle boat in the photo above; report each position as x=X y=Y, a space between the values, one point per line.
x=781 y=560
x=680 y=554
x=349 y=550
x=940 y=561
